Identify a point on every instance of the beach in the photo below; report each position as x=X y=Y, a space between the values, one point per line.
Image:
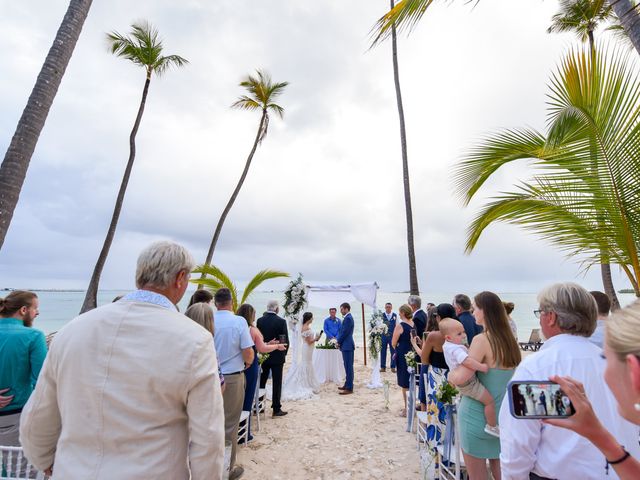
x=336 y=436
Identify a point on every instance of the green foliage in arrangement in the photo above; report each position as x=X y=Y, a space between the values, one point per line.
x=446 y=393
x=583 y=196
x=214 y=278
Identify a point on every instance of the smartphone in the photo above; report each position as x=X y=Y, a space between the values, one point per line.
x=414 y=332
x=535 y=399
x=282 y=338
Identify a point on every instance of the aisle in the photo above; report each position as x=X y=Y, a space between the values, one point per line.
x=335 y=437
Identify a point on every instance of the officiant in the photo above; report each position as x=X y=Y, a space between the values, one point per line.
x=331 y=325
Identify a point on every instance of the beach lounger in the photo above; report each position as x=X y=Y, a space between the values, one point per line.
x=534 y=343
x=12 y=462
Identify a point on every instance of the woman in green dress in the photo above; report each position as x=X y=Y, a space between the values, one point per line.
x=496 y=347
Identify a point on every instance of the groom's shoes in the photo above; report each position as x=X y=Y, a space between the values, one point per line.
x=280 y=413
x=383 y=369
x=346 y=392
x=342 y=388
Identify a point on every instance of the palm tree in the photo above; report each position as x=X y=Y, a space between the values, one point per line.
x=413 y=273
x=583 y=17
x=261 y=94
x=219 y=279
x=16 y=161
x=407 y=13
x=582 y=203
x=144 y=48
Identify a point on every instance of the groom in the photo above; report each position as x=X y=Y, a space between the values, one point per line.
x=346 y=346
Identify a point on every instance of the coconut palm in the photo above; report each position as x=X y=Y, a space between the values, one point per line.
x=407 y=13
x=582 y=203
x=583 y=17
x=413 y=273
x=16 y=161
x=261 y=95
x=218 y=279
x=142 y=47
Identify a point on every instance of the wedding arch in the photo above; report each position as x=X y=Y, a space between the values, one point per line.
x=326 y=296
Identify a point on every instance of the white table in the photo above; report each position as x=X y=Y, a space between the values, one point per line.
x=327 y=363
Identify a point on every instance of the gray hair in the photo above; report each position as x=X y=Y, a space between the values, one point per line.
x=272 y=305
x=414 y=301
x=463 y=301
x=574 y=306
x=160 y=263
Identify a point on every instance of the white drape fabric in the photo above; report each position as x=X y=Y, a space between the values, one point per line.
x=329 y=366
x=376 y=380
x=327 y=296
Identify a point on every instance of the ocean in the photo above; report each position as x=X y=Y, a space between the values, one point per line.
x=59 y=307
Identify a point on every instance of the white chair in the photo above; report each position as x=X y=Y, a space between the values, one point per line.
x=243 y=427
x=12 y=461
x=259 y=402
x=457 y=470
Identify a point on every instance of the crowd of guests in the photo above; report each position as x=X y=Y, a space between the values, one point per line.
x=137 y=376
x=593 y=356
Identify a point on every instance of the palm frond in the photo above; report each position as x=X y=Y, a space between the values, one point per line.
x=258 y=279
x=405 y=16
x=218 y=278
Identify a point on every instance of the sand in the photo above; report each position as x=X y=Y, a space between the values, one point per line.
x=335 y=436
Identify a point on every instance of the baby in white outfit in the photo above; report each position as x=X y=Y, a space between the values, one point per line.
x=457 y=356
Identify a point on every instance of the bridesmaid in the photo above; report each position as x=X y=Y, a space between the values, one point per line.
x=401 y=341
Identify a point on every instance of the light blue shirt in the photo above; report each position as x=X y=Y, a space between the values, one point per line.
x=22 y=353
x=147 y=296
x=598 y=335
x=231 y=337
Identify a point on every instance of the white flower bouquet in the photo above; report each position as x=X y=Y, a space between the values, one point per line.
x=295 y=298
x=377 y=329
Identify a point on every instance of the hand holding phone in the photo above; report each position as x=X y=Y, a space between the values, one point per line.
x=414 y=332
x=538 y=399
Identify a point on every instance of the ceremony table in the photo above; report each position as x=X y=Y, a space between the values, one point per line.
x=328 y=366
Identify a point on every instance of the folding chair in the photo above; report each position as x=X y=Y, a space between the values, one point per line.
x=259 y=403
x=451 y=461
x=243 y=427
x=13 y=465
x=534 y=343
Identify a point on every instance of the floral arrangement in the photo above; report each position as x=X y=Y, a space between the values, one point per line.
x=446 y=393
x=410 y=358
x=295 y=298
x=377 y=329
x=328 y=345
x=262 y=357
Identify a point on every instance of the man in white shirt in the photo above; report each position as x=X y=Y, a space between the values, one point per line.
x=130 y=390
x=531 y=449
x=235 y=352
x=604 y=307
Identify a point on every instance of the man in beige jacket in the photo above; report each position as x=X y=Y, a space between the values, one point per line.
x=130 y=390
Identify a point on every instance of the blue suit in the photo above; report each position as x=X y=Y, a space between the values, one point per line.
x=347 y=347
x=390 y=322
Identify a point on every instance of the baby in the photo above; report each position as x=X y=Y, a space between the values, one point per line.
x=457 y=356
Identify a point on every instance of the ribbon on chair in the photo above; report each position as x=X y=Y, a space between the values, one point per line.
x=411 y=401
x=449 y=433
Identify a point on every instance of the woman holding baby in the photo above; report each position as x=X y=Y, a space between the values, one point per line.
x=497 y=349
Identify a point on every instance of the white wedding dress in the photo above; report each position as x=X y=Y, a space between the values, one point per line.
x=301 y=382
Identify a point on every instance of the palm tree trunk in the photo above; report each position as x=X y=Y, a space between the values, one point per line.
x=234 y=195
x=413 y=274
x=607 y=281
x=630 y=20
x=16 y=161
x=91 y=297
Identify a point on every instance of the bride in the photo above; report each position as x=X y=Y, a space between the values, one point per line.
x=301 y=382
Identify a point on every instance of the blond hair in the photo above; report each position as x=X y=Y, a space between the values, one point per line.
x=447 y=326
x=202 y=314
x=623 y=331
x=406 y=311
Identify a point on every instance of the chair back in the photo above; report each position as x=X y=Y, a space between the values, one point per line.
x=14 y=465
x=535 y=336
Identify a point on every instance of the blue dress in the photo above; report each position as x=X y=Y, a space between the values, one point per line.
x=404 y=346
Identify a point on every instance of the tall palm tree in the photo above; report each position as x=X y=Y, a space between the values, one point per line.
x=582 y=207
x=583 y=17
x=413 y=272
x=144 y=48
x=16 y=161
x=261 y=95
x=218 y=279
x=407 y=13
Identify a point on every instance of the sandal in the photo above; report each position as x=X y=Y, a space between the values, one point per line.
x=403 y=413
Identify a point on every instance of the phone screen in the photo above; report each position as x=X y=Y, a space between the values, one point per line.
x=529 y=399
x=414 y=332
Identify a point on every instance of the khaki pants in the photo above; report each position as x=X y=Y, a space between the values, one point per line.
x=10 y=430
x=233 y=398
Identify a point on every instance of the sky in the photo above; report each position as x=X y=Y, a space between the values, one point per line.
x=324 y=194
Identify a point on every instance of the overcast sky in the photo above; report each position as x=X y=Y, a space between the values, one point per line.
x=324 y=194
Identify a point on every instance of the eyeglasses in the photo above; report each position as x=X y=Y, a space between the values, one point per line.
x=537 y=313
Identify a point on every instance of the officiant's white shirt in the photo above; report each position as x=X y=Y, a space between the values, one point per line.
x=128 y=391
